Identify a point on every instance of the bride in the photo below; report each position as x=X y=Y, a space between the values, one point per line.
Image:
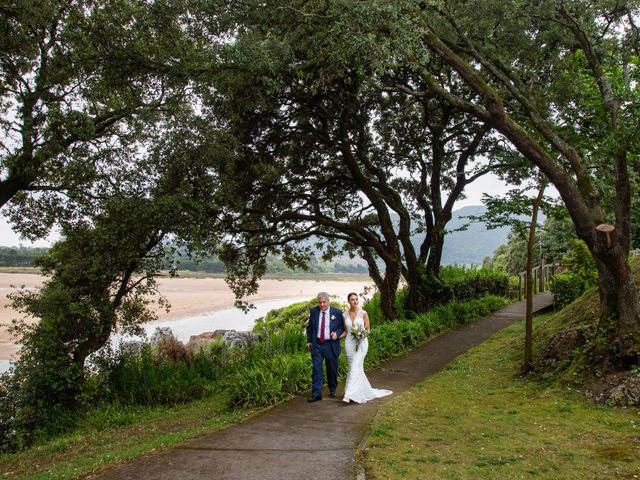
x=357 y=389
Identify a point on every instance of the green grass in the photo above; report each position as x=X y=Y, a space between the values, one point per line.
x=478 y=419
x=113 y=435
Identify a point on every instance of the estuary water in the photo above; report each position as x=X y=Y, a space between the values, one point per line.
x=183 y=328
x=227 y=319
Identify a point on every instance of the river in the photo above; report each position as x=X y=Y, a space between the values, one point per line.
x=227 y=319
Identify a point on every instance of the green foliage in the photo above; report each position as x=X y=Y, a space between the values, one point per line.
x=470 y=283
x=270 y=379
x=555 y=239
x=92 y=289
x=566 y=287
x=155 y=377
x=374 y=310
x=296 y=313
x=456 y=283
x=581 y=263
x=392 y=339
x=581 y=275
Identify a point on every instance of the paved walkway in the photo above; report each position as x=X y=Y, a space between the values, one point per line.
x=312 y=441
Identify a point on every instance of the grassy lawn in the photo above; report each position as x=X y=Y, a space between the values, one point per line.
x=478 y=419
x=114 y=435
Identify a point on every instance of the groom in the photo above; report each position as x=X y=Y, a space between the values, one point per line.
x=324 y=331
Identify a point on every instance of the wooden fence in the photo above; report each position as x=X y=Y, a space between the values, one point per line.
x=539 y=279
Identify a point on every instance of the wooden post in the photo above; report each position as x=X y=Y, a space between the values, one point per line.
x=541 y=272
x=519 y=286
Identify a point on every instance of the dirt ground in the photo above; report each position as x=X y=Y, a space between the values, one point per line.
x=187 y=296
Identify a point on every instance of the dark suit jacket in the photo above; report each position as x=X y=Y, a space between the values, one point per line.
x=336 y=325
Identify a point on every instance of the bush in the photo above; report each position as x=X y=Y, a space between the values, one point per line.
x=455 y=284
x=469 y=283
x=566 y=288
x=270 y=380
x=166 y=375
x=296 y=314
x=581 y=275
x=392 y=339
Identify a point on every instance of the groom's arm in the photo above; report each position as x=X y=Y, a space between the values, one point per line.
x=340 y=327
x=309 y=331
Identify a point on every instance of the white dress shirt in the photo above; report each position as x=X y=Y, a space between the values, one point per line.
x=327 y=324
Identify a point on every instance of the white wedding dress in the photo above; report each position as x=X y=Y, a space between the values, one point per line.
x=358 y=389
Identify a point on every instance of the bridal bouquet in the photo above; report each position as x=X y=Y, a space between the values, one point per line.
x=359 y=333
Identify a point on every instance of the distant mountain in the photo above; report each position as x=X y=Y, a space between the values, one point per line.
x=468 y=247
x=472 y=245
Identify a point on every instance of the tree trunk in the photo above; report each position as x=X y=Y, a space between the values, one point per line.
x=388 y=293
x=528 y=326
x=387 y=284
x=618 y=333
x=435 y=252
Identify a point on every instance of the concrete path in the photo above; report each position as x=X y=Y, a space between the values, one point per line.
x=317 y=440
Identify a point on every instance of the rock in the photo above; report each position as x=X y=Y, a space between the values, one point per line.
x=627 y=392
x=198 y=342
x=231 y=338
x=239 y=339
x=161 y=334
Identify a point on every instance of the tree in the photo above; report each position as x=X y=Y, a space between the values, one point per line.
x=325 y=152
x=538 y=69
x=102 y=273
x=80 y=79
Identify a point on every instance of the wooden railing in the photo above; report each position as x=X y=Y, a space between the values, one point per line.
x=539 y=280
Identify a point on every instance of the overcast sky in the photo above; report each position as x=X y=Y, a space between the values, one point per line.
x=487 y=183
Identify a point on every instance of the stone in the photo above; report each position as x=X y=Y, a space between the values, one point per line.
x=198 y=342
x=161 y=334
x=627 y=392
x=239 y=339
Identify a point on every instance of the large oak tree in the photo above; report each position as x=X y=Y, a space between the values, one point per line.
x=559 y=81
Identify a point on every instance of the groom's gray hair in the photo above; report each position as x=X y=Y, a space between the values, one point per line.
x=323 y=295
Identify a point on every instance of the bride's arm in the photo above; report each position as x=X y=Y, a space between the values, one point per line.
x=344 y=326
x=365 y=317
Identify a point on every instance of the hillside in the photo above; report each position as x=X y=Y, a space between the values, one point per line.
x=472 y=245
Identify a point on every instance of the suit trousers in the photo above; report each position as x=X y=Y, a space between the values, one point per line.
x=323 y=353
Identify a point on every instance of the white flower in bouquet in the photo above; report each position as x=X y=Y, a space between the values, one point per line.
x=359 y=333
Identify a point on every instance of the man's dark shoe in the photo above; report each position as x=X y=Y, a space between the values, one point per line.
x=314 y=399
x=332 y=394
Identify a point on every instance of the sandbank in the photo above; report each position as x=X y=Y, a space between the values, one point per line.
x=187 y=296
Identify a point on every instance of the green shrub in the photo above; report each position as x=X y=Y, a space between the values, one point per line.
x=270 y=380
x=566 y=288
x=581 y=275
x=469 y=283
x=296 y=314
x=392 y=339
